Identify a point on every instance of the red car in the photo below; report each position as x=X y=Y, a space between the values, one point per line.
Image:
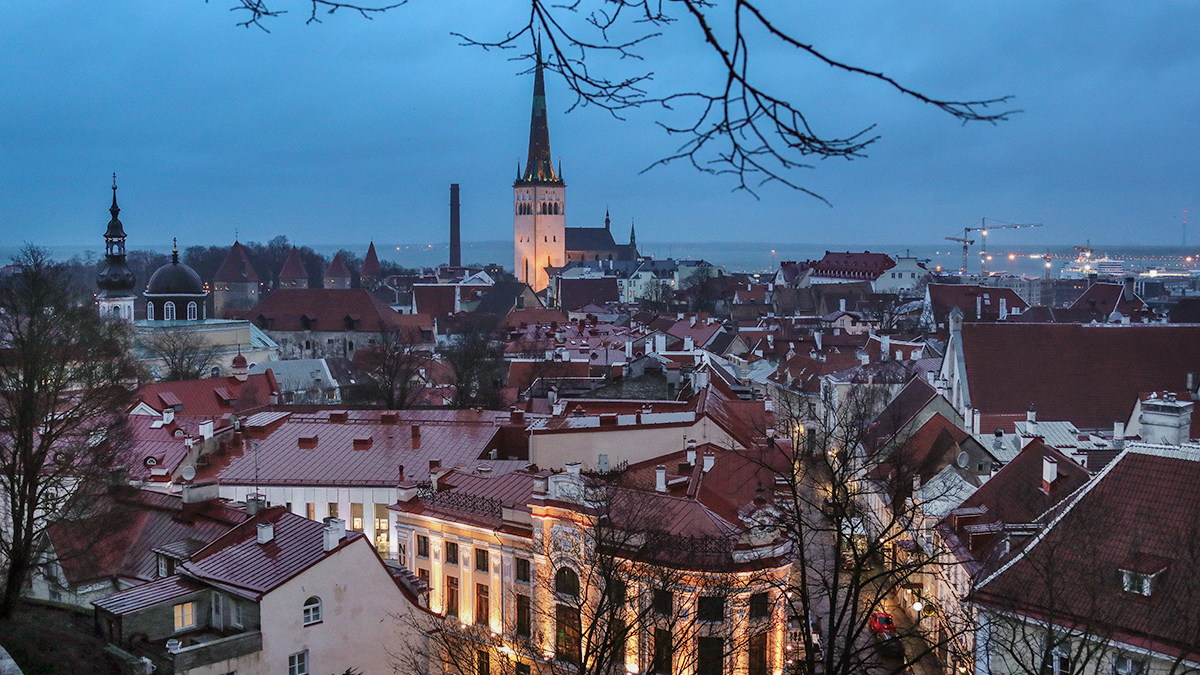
x=881 y=624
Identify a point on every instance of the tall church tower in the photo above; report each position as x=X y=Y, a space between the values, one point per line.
x=116 y=280
x=539 y=200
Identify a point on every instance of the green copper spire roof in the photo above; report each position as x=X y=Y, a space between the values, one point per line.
x=538 y=167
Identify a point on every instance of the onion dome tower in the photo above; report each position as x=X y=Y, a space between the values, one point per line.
x=115 y=280
x=539 y=199
x=176 y=293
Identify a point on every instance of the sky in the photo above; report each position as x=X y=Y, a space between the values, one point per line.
x=352 y=130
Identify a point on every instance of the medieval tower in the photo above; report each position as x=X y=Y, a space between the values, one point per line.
x=539 y=200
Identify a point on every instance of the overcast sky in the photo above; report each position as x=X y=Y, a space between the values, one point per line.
x=352 y=130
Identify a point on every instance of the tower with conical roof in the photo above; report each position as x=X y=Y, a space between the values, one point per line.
x=368 y=275
x=539 y=199
x=236 y=283
x=115 y=280
x=293 y=274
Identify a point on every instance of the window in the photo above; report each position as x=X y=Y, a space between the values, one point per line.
x=356 y=517
x=185 y=616
x=663 y=652
x=1133 y=582
x=298 y=663
x=482 y=607
x=523 y=616
x=1124 y=664
x=523 y=570
x=149 y=311
x=451 y=596
x=481 y=560
x=310 y=510
x=451 y=553
x=710 y=656
x=165 y=566
x=312 y=611
x=566 y=581
x=217 y=620
x=333 y=509
x=235 y=613
x=191 y=311
x=382 y=525
x=566 y=634
x=711 y=608
x=422 y=546
x=169 y=311
x=616 y=591
x=758 y=655
x=664 y=602
x=758 y=606
x=1056 y=662
x=483 y=664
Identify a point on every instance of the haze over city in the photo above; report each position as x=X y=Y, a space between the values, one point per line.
x=351 y=130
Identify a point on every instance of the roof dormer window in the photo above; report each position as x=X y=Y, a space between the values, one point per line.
x=1137 y=582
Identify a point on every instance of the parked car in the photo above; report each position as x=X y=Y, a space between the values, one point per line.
x=881 y=624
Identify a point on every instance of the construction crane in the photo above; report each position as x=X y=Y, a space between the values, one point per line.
x=983 y=228
x=967 y=243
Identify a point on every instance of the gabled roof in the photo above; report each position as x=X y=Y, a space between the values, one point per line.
x=1104 y=298
x=293 y=267
x=237 y=560
x=1091 y=375
x=237 y=267
x=850 y=265
x=326 y=309
x=370 y=266
x=203 y=398
x=589 y=239
x=978 y=303
x=144 y=520
x=1141 y=508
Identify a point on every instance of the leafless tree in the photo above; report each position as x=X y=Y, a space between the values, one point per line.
x=397 y=367
x=852 y=559
x=63 y=376
x=185 y=355
x=476 y=361
x=744 y=124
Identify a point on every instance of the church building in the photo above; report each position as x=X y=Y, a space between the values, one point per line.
x=541 y=238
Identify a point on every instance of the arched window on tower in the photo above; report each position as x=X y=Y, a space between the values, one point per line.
x=526 y=277
x=116 y=312
x=192 y=311
x=149 y=311
x=169 y=311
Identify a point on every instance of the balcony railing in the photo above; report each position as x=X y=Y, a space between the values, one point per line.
x=221 y=649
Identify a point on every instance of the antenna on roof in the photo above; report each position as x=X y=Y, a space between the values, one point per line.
x=254 y=449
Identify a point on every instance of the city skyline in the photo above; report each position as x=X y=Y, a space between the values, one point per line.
x=352 y=130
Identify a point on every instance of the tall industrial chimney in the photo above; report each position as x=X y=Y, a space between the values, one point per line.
x=455 y=237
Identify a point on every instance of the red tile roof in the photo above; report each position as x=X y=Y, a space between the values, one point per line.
x=849 y=265
x=1104 y=298
x=147 y=595
x=200 y=397
x=370 y=266
x=978 y=303
x=90 y=550
x=237 y=560
x=293 y=267
x=337 y=268
x=522 y=372
x=319 y=448
x=326 y=309
x=237 y=267
x=1142 y=507
x=575 y=293
x=434 y=299
x=1085 y=374
x=522 y=318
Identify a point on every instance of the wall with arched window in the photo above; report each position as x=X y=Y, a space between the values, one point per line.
x=149 y=311
x=168 y=311
x=312 y=611
x=191 y=311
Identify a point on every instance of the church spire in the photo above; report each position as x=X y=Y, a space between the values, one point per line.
x=607 y=222
x=632 y=234
x=539 y=167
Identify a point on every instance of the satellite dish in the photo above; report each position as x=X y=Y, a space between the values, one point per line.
x=189 y=472
x=963 y=459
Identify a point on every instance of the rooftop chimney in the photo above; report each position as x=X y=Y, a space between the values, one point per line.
x=400 y=474
x=842 y=305
x=335 y=531
x=689 y=343
x=710 y=458
x=1031 y=416
x=1127 y=292
x=660 y=478
x=455 y=241
x=434 y=465
x=691 y=454
x=885 y=347
x=1049 y=472
x=1118 y=442
x=1003 y=308
x=168 y=415
x=416 y=437
x=266 y=533
x=255 y=503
